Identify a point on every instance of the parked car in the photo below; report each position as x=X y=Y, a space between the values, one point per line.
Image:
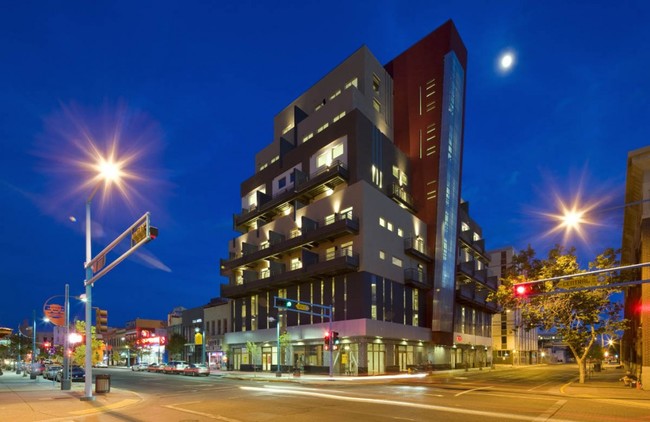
x=196 y=369
x=155 y=367
x=35 y=368
x=51 y=370
x=101 y=365
x=175 y=367
x=140 y=367
x=77 y=373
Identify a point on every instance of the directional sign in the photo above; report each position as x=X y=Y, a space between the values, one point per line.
x=302 y=307
x=586 y=281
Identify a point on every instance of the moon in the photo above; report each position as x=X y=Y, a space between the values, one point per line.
x=506 y=61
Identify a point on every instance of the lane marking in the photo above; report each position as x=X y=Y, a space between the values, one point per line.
x=194 y=412
x=472 y=390
x=497 y=415
x=541 y=385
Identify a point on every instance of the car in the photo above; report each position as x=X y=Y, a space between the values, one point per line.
x=35 y=368
x=51 y=370
x=77 y=373
x=156 y=367
x=175 y=367
x=101 y=365
x=196 y=369
x=140 y=367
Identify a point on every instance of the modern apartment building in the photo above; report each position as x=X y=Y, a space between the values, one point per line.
x=512 y=344
x=355 y=204
x=635 y=347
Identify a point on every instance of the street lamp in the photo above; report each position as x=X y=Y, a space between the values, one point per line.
x=66 y=383
x=108 y=172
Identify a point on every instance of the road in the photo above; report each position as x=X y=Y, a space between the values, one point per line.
x=530 y=394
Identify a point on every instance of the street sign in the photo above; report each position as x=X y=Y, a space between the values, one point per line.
x=585 y=281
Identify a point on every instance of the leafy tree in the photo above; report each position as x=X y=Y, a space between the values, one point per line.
x=255 y=351
x=579 y=317
x=176 y=346
x=98 y=346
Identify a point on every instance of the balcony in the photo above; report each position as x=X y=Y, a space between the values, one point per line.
x=417 y=278
x=474 y=294
x=305 y=188
x=314 y=267
x=310 y=235
x=402 y=197
x=416 y=248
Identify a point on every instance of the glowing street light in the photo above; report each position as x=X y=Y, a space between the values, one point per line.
x=109 y=172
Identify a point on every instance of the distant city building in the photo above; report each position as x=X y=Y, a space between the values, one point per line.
x=356 y=205
x=512 y=343
x=635 y=347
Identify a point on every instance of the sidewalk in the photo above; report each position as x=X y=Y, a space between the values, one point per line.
x=606 y=384
x=25 y=399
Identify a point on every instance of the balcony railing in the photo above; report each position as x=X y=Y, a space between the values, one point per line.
x=305 y=187
x=326 y=229
x=416 y=247
x=416 y=277
x=326 y=265
x=400 y=195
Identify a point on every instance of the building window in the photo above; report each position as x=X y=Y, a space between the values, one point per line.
x=375 y=83
x=346 y=249
x=376 y=104
x=400 y=232
x=330 y=219
x=382 y=222
x=346 y=213
x=282 y=183
x=464 y=226
x=336 y=94
x=354 y=82
x=338 y=117
x=295 y=263
x=287 y=129
x=397 y=261
x=322 y=128
x=308 y=137
x=373 y=299
x=382 y=255
x=476 y=237
x=389 y=226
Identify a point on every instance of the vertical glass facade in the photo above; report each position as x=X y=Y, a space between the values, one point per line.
x=449 y=183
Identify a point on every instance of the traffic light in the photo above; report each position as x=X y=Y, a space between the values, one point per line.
x=529 y=289
x=327 y=340
x=101 y=320
x=335 y=340
x=281 y=302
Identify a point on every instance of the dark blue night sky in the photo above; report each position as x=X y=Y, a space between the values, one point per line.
x=188 y=91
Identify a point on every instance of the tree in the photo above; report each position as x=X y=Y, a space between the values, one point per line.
x=254 y=350
x=98 y=346
x=579 y=317
x=176 y=346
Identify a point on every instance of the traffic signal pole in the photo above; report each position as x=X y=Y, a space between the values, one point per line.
x=323 y=311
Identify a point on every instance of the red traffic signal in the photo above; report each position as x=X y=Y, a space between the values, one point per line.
x=327 y=340
x=521 y=290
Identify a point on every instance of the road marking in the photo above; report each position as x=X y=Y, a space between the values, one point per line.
x=497 y=415
x=471 y=391
x=194 y=412
x=119 y=404
x=551 y=411
x=531 y=389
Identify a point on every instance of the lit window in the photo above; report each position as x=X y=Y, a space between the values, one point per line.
x=397 y=261
x=396 y=172
x=263 y=166
x=382 y=255
x=338 y=117
x=464 y=226
x=336 y=94
x=354 y=82
x=476 y=237
x=322 y=128
x=308 y=137
x=274 y=159
x=337 y=151
x=375 y=83
x=287 y=129
x=389 y=226
x=400 y=232
x=330 y=219
x=382 y=222
x=376 y=104
x=322 y=160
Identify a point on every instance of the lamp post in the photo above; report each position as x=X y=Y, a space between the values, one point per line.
x=65 y=381
x=108 y=172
